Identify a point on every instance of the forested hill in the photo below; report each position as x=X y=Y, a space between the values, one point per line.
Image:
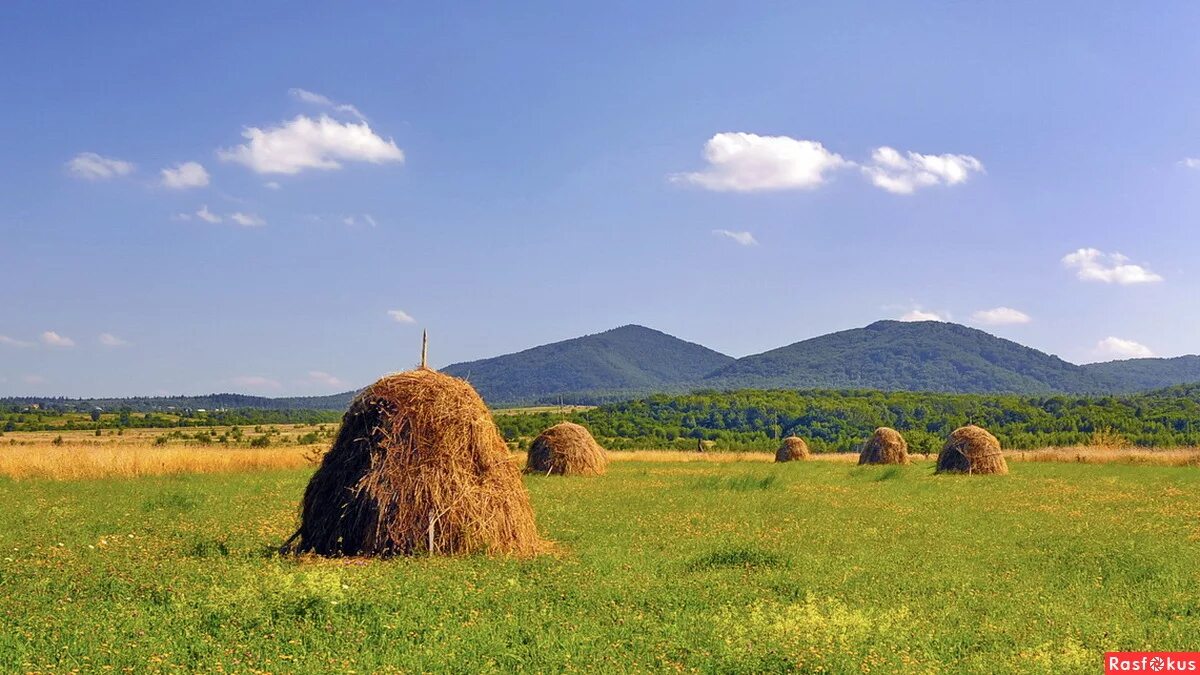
x=625 y=361
x=908 y=356
x=1143 y=374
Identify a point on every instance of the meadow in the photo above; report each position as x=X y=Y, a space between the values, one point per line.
x=713 y=566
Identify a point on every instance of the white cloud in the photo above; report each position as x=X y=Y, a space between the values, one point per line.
x=400 y=316
x=1111 y=268
x=13 y=342
x=33 y=379
x=922 y=315
x=207 y=216
x=324 y=101
x=743 y=238
x=91 y=166
x=305 y=143
x=370 y=220
x=1001 y=316
x=110 y=340
x=1190 y=163
x=247 y=219
x=742 y=162
x=1117 y=348
x=323 y=378
x=186 y=175
x=55 y=340
x=256 y=382
x=272 y=185
x=904 y=174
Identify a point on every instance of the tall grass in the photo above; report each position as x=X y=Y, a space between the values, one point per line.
x=72 y=461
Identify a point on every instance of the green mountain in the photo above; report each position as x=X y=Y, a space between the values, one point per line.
x=1142 y=374
x=618 y=363
x=911 y=356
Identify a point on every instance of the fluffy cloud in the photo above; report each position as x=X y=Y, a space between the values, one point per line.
x=256 y=382
x=53 y=339
x=1117 y=348
x=13 y=342
x=323 y=378
x=90 y=166
x=186 y=175
x=1111 y=268
x=1001 y=316
x=305 y=143
x=207 y=216
x=247 y=219
x=743 y=238
x=742 y=162
x=1190 y=163
x=401 y=316
x=110 y=340
x=922 y=315
x=325 y=102
x=907 y=173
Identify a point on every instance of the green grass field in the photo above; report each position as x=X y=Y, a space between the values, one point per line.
x=744 y=567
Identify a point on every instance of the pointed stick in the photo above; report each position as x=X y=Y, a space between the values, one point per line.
x=424 y=347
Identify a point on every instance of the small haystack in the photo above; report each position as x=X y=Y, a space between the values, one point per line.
x=972 y=449
x=566 y=449
x=793 y=448
x=885 y=446
x=418 y=467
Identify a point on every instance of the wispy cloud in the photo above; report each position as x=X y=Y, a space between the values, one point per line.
x=33 y=379
x=922 y=315
x=185 y=175
x=207 y=216
x=13 y=342
x=743 y=162
x=110 y=340
x=360 y=219
x=52 y=339
x=306 y=143
x=247 y=219
x=1001 y=316
x=256 y=382
x=1190 y=163
x=323 y=378
x=90 y=166
x=906 y=173
x=1110 y=268
x=325 y=102
x=743 y=238
x=400 y=316
x=1118 y=348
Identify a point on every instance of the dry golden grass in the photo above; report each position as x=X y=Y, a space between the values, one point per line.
x=71 y=461
x=1103 y=455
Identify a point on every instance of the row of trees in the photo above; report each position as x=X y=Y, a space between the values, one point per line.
x=17 y=418
x=839 y=420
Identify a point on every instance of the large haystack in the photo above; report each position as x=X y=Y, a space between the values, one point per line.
x=566 y=449
x=885 y=446
x=793 y=448
x=972 y=449
x=418 y=467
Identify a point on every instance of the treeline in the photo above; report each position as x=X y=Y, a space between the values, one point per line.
x=834 y=421
x=21 y=418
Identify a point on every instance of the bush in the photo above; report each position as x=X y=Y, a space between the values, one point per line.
x=260 y=441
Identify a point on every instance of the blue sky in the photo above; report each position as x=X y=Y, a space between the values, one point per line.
x=509 y=174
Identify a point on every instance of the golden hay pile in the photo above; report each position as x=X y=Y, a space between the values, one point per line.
x=793 y=448
x=418 y=467
x=566 y=449
x=885 y=446
x=972 y=449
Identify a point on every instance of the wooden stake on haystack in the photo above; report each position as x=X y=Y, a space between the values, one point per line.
x=424 y=347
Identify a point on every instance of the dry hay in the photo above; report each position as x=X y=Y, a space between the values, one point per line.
x=418 y=467
x=885 y=446
x=972 y=449
x=566 y=449
x=793 y=448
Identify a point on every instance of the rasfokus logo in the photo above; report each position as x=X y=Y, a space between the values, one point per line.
x=1151 y=662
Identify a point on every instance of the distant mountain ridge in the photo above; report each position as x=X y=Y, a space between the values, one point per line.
x=633 y=361
x=628 y=360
